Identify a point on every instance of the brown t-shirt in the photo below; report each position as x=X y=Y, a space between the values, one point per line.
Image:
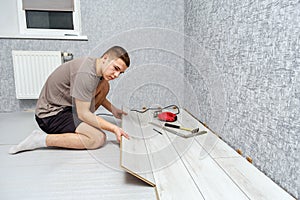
x=74 y=79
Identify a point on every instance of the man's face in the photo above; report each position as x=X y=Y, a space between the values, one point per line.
x=113 y=69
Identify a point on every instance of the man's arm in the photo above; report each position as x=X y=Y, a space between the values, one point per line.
x=107 y=105
x=84 y=114
x=93 y=106
x=111 y=108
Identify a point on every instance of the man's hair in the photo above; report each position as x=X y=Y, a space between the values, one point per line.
x=118 y=52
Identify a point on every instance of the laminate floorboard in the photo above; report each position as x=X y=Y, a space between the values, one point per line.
x=134 y=154
x=200 y=167
x=173 y=180
x=253 y=182
x=211 y=180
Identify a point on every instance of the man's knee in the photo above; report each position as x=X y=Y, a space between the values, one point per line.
x=96 y=142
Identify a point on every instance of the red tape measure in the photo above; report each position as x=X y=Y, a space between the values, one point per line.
x=167 y=117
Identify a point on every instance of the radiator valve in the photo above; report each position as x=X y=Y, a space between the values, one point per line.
x=67 y=56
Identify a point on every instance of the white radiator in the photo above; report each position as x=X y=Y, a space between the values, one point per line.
x=31 y=70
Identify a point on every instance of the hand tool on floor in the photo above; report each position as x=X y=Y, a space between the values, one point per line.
x=195 y=130
x=162 y=115
x=177 y=133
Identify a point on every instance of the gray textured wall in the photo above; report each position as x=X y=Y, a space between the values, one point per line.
x=104 y=22
x=241 y=70
x=248 y=86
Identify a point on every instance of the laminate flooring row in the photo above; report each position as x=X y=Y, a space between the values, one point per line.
x=200 y=167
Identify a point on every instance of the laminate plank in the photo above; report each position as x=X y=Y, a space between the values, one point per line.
x=212 y=144
x=183 y=144
x=253 y=182
x=134 y=155
x=200 y=167
x=216 y=147
x=172 y=179
x=212 y=181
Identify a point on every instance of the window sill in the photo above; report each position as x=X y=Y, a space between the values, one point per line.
x=42 y=37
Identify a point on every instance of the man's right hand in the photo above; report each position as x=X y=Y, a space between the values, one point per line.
x=119 y=133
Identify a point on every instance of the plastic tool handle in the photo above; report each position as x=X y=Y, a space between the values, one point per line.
x=172 y=125
x=178 y=127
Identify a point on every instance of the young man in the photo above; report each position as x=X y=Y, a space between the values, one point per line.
x=71 y=94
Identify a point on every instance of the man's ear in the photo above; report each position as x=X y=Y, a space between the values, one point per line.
x=105 y=58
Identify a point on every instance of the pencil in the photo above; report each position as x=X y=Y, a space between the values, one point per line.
x=157 y=131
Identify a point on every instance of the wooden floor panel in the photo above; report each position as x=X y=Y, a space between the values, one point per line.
x=169 y=168
x=134 y=155
x=200 y=167
x=209 y=177
x=252 y=181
